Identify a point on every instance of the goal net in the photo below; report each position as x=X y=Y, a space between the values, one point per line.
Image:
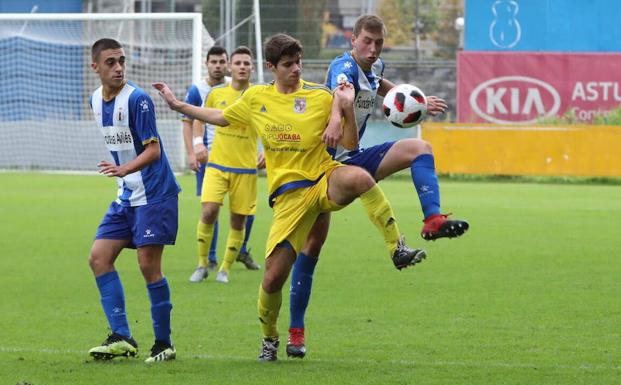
x=46 y=80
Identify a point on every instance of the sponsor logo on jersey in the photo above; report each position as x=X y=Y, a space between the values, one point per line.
x=281 y=133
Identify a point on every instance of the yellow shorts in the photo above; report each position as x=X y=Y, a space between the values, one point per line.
x=242 y=189
x=295 y=212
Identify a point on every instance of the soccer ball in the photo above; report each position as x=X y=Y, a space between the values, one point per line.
x=405 y=106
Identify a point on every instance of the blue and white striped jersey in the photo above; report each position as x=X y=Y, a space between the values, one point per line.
x=196 y=96
x=127 y=123
x=366 y=84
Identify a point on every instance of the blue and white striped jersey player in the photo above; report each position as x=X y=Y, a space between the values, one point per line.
x=364 y=68
x=198 y=145
x=145 y=214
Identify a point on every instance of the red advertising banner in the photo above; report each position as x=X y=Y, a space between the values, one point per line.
x=523 y=87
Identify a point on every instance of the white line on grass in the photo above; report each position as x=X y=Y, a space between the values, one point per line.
x=7 y=349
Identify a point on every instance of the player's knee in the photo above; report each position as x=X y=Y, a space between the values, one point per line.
x=420 y=147
x=361 y=180
x=97 y=263
x=273 y=281
x=209 y=214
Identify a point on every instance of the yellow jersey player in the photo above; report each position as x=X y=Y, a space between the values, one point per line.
x=292 y=117
x=231 y=168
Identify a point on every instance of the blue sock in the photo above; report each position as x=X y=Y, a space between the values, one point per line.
x=113 y=302
x=159 y=294
x=249 y=222
x=426 y=184
x=301 y=284
x=213 y=248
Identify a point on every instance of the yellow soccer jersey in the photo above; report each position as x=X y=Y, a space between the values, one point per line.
x=290 y=127
x=234 y=147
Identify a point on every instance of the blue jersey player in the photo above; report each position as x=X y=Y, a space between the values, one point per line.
x=198 y=144
x=144 y=215
x=364 y=68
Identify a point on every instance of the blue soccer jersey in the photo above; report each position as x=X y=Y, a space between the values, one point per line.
x=366 y=84
x=196 y=96
x=127 y=123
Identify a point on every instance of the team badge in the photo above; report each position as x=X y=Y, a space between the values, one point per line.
x=341 y=78
x=299 y=106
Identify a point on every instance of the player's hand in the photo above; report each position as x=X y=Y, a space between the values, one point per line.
x=345 y=93
x=333 y=133
x=167 y=94
x=201 y=153
x=111 y=169
x=435 y=105
x=261 y=161
x=192 y=162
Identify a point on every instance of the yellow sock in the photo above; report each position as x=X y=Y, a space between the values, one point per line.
x=380 y=213
x=204 y=235
x=233 y=245
x=269 y=307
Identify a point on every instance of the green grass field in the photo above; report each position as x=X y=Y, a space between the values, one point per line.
x=531 y=295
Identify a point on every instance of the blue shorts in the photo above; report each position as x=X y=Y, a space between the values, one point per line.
x=151 y=224
x=200 y=174
x=370 y=158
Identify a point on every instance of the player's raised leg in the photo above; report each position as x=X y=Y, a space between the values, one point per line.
x=417 y=155
x=101 y=260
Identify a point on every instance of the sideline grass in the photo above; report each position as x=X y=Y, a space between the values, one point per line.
x=529 y=296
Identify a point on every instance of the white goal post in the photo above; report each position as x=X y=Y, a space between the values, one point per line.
x=46 y=81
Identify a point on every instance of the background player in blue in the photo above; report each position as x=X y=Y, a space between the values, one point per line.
x=144 y=215
x=364 y=68
x=197 y=148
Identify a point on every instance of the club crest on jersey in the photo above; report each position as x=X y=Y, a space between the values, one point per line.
x=299 y=106
x=341 y=78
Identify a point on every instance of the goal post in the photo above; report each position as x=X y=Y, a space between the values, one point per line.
x=46 y=81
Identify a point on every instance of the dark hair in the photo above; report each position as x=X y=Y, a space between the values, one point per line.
x=371 y=23
x=281 y=45
x=216 y=50
x=242 y=49
x=102 y=45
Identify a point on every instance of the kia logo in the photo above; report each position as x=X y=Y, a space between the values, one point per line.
x=514 y=99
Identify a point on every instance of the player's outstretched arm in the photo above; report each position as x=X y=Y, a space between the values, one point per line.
x=150 y=154
x=209 y=115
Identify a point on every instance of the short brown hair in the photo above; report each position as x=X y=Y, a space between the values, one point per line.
x=216 y=50
x=242 y=50
x=281 y=45
x=371 y=23
x=102 y=45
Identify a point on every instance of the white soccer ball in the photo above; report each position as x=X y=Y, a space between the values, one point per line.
x=405 y=106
